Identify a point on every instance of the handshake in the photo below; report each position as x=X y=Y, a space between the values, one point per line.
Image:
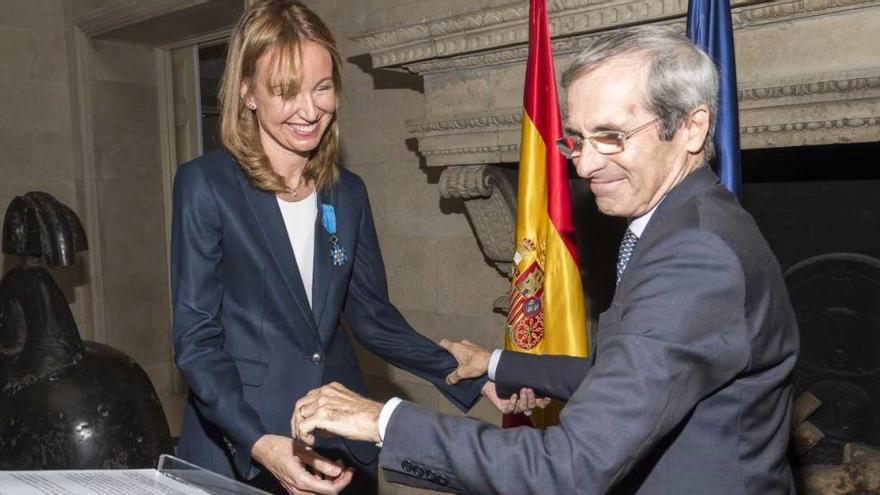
x=337 y=410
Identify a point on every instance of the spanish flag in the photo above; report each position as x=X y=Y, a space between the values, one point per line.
x=546 y=302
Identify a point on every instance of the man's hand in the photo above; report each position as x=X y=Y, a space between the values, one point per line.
x=473 y=360
x=522 y=403
x=288 y=461
x=336 y=409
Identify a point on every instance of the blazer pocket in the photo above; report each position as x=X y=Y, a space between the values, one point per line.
x=251 y=372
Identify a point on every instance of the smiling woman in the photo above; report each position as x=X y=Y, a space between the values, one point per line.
x=292 y=113
x=282 y=70
x=271 y=242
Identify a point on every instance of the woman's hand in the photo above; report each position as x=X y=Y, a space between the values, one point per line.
x=299 y=469
x=516 y=404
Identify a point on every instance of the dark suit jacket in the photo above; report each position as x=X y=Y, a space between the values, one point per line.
x=245 y=338
x=688 y=392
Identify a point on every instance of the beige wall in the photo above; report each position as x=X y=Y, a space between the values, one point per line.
x=92 y=140
x=37 y=139
x=131 y=208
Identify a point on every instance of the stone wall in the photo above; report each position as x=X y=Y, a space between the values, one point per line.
x=80 y=122
x=131 y=209
x=38 y=149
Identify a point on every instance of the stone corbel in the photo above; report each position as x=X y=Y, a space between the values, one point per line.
x=489 y=196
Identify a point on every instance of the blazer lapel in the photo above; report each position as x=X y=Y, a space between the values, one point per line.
x=322 y=264
x=697 y=182
x=268 y=216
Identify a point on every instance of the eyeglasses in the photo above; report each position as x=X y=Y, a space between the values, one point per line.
x=605 y=142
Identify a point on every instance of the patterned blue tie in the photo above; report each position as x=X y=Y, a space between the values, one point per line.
x=627 y=244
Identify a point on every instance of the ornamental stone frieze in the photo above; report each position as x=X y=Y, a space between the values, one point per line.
x=808 y=73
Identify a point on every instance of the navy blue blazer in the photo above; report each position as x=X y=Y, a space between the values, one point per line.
x=245 y=338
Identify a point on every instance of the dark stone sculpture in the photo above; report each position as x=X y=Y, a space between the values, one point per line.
x=64 y=403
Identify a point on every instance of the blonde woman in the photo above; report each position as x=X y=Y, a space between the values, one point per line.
x=271 y=242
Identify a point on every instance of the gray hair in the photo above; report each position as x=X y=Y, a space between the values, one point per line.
x=681 y=77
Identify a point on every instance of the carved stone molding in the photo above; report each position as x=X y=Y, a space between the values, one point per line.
x=831 y=87
x=501 y=153
x=788 y=10
x=489 y=197
x=127 y=12
x=499 y=34
x=517 y=54
x=507 y=25
x=509 y=118
x=816 y=125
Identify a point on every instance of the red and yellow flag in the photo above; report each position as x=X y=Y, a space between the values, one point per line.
x=546 y=302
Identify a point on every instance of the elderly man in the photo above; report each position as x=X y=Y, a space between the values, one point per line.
x=688 y=391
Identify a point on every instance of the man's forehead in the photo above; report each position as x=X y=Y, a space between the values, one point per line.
x=609 y=94
x=621 y=70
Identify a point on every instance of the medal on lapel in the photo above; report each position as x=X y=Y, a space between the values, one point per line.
x=337 y=253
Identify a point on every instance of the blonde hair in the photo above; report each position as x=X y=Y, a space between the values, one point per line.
x=277 y=27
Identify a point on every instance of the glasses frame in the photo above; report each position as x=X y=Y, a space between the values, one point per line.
x=601 y=148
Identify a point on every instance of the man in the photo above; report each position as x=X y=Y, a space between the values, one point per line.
x=688 y=391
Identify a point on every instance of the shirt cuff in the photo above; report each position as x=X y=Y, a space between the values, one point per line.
x=385 y=415
x=493 y=363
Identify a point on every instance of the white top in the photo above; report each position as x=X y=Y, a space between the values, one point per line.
x=299 y=219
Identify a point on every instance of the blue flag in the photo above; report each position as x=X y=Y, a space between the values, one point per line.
x=710 y=28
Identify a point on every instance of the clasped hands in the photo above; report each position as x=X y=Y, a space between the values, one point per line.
x=337 y=410
x=299 y=469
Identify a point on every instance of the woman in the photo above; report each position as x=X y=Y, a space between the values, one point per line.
x=271 y=242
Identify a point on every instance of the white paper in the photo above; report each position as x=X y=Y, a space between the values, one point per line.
x=99 y=482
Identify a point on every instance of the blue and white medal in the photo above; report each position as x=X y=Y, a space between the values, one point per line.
x=337 y=253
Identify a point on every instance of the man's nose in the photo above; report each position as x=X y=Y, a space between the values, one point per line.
x=588 y=161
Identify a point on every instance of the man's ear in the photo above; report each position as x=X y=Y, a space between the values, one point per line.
x=697 y=128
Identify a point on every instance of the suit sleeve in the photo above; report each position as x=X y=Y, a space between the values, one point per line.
x=380 y=327
x=550 y=376
x=681 y=336
x=197 y=292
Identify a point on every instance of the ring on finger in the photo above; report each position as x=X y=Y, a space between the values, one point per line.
x=527 y=412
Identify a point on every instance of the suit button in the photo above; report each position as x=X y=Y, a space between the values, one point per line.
x=407 y=466
x=430 y=476
x=316 y=358
x=442 y=481
x=418 y=472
